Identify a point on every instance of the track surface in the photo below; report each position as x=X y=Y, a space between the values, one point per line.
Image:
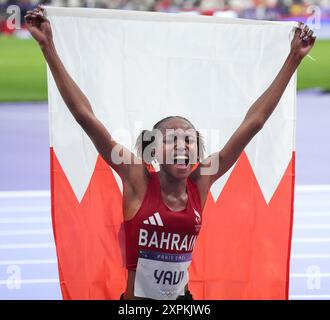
x=27 y=250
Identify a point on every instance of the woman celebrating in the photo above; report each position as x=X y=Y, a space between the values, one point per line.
x=163 y=207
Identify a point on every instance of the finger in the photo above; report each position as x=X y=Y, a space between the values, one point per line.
x=37 y=15
x=297 y=31
x=310 y=32
x=302 y=29
x=30 y=20
x=300 y=25
x=306 y=30
x=305 y=38
x=27 y=17
x=41 y=7
x=30 y=23
x=34 y=16
x=39 y=10
x=308 y=35
x=30 y=16
x=313 y=38
x=40 y=14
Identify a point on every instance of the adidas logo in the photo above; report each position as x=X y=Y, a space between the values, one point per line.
x=155 y=220
x=198 y=217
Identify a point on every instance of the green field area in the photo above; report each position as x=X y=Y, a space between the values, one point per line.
x=23 y=70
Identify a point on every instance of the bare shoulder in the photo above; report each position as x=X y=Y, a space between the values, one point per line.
x=203 y=173
x=138 y=176
x=202 y=181
x=135 y=187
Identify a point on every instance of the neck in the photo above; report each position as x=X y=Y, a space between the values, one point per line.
x=170 y=185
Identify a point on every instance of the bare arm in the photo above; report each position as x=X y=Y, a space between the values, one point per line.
x=80 y=108
x=79 y=105
x=258 y=113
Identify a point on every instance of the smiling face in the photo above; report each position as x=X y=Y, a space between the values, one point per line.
x=177 y=147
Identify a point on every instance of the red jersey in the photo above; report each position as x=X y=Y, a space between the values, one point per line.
x=159 y=242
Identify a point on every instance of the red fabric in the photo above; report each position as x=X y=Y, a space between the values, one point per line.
x=242 y=251
x=140 y=230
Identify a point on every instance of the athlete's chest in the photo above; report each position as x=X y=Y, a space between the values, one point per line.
x=175 y=204
x=162 y=219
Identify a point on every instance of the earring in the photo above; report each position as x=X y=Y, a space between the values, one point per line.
x=155 y=164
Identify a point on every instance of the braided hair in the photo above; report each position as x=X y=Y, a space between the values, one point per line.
x=146 y=137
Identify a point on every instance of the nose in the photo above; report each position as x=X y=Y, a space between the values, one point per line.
x=180 y=145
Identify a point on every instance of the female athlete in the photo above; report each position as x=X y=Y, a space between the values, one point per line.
x=163 y=207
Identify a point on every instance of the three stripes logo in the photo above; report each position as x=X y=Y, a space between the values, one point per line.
x=155 y=220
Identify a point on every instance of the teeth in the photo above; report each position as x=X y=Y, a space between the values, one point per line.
x=181 y=159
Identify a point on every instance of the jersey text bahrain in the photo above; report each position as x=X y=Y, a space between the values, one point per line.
x=166 y=240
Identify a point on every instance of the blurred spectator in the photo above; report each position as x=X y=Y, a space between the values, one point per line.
x=25 y=5
x=252 y=9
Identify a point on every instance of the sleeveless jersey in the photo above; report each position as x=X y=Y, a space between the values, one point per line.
x=159 y=242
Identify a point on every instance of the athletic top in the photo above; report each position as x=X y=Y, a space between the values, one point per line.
x=155 y=227
x=159 y=242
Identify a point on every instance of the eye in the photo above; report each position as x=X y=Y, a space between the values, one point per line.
x=169 y=139
x=190 y=139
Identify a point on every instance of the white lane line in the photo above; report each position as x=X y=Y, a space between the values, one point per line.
x=312 y=187
x=25 y=232
x=27 y=245
x=25 y=262
x=24 y=209
x=316 y=204
x=25 y=194
x=310 y=256
x=310 y=240
x=311 y=226
x=26 y=220
x=310 y=275
x=28 y=281
x=309 y=296
x=312 y=214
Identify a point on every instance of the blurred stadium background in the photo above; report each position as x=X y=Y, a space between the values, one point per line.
x=28 y=268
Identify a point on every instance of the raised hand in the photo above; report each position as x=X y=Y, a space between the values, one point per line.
x=39 y=26
x=303 y=41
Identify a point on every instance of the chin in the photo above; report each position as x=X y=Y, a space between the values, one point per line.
x=178 y=172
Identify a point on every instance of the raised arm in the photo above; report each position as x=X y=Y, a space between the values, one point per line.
x=79 y=105
x=258 y=113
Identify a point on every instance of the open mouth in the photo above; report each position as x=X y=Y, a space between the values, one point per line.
x=181 y=161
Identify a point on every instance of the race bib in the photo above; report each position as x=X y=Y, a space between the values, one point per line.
x=161 y=276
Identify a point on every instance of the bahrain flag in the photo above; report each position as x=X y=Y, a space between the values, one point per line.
x=136 y=68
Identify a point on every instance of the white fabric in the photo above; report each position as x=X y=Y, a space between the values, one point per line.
x=159 y=279
x=138 y=67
